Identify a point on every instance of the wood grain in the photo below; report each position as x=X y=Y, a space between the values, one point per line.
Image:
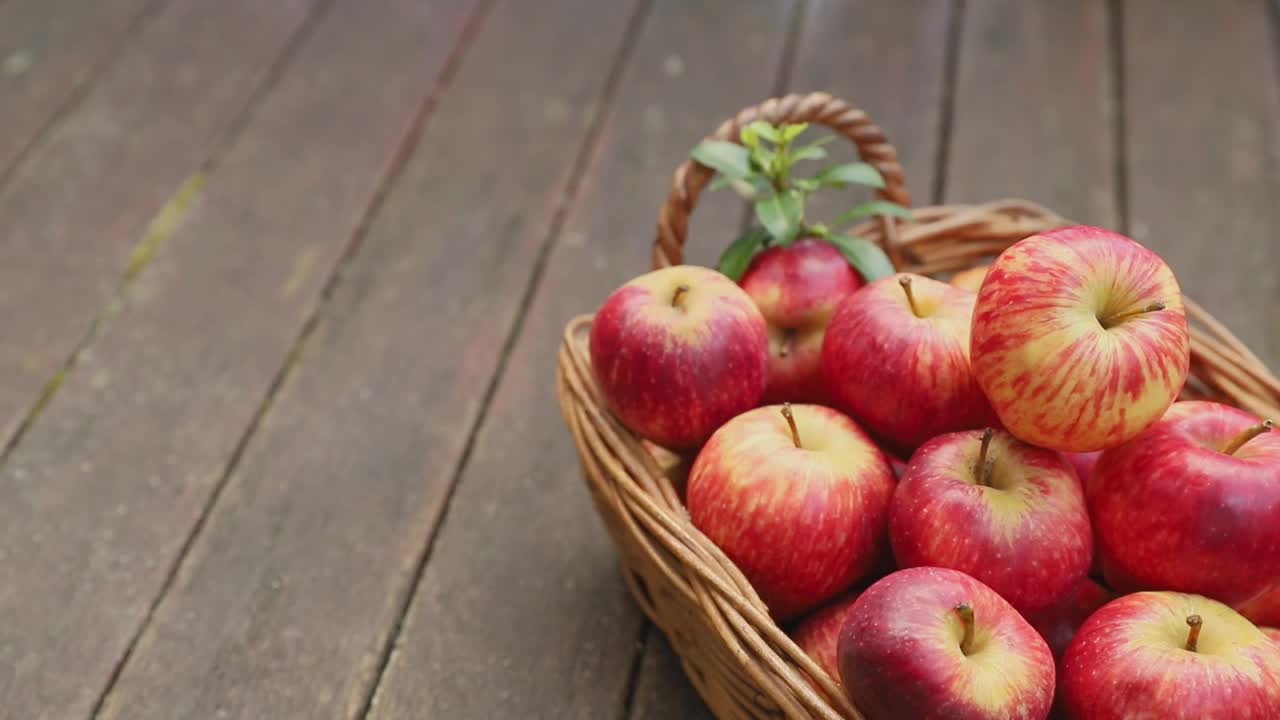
x=99 y=499
x=73 y=213
x=1034 y=108
x=288 y=597
x=662 y=690
x=1203 y=161
x=521 y=611
x=50 y=50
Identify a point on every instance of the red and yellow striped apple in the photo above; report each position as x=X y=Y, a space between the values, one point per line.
x=1079 y=338
x=1010 y=514
x=1273 y=633
x=677 y=352
x=1170 y=656
x=797 y=497
x=931 y=643
x=797 y=287
x=896 y=357
x=1193 y=504
x=970 y=279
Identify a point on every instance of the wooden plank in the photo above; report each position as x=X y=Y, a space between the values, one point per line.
x=287 y=598
x=890 y=60
x=841 y=49
x=1203 y=160
x=99 y=499
x=76 y=210
x=49 y=51
x=1034 y=108
x=521 y=611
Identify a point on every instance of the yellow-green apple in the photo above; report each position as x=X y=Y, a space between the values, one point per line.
x=1010 y=514
x=896 y=357
x=970 y=279
x=926 y=643
x=797 y=497
x=1080 y=338
x=819 y=633
x=797 y=287
x=1193 y=504
x=679 y=351
x=1170 y=656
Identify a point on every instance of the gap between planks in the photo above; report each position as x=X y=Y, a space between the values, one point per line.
x=946 y=114
x=394 y=169
x=586 y=151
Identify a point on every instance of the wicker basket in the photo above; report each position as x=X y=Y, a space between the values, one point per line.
x=741 y=662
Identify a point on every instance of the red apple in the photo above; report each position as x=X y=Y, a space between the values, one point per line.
x=1010 y=514
x=819 y=634
x=1273 y=633
x=797 y=287
x=1170 y=656
x=1083 y=463
x=1059 y=622
x=679 y=351
x=1192 y=504
x=1080 y=338
x=896 y=357
x=928 y=643
x=1263 y=608
x=797 y=496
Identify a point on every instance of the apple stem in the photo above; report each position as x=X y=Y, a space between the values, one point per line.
x=680 y=290
x=1247 y=435
x=791 y=420
x=1193 y=635
x=905 y=282
x=1114 y=319
x=983 y=471
x=784 y=347
x=965 y=611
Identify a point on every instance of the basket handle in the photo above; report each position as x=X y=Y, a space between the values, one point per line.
x=819 y=108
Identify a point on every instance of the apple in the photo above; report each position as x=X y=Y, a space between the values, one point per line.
x=797 y=496
x=1079 y=338
x=1083 y=463
x=1273 y=633
x=970 y=279
x=797 y=287
x=677 y=352
x=818 y=635
x=896 y=357
x=1170 y=655
x=926 y=643
x=1060 y=622
x=1263 y=608
x=1193 y=504
x=1010 y=514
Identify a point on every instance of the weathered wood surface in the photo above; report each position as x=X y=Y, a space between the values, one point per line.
x=1203 y=162
x=1035 y=112
x=288 y=598
x=49 y=51
x=74 y=214
x=97 y=502
x=549 y=613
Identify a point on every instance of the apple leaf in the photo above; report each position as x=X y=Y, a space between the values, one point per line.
x=750 y=137
x=812 y=152
x=874 y=207
x=865 y=256
x=736 y=258
x=854 y=173
x=781 y=213
x=791 y=131
x=729 y=159
x=765 y=130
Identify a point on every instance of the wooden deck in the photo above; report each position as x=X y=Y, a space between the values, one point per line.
x=281 y=285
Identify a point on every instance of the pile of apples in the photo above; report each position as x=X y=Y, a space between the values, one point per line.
x=969 y=504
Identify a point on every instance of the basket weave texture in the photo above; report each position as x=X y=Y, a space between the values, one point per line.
x=740 y=661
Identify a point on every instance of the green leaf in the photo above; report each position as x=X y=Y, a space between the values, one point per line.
x=780 y=214
x=873 y=207
x=806 y=184
x=736 y=258
x=765 y=130
x=808 y=153
x=749 y=137
x=791 y=131
x=865 y=256
x=752 y=187
x=724 y=157
x=858 y=173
